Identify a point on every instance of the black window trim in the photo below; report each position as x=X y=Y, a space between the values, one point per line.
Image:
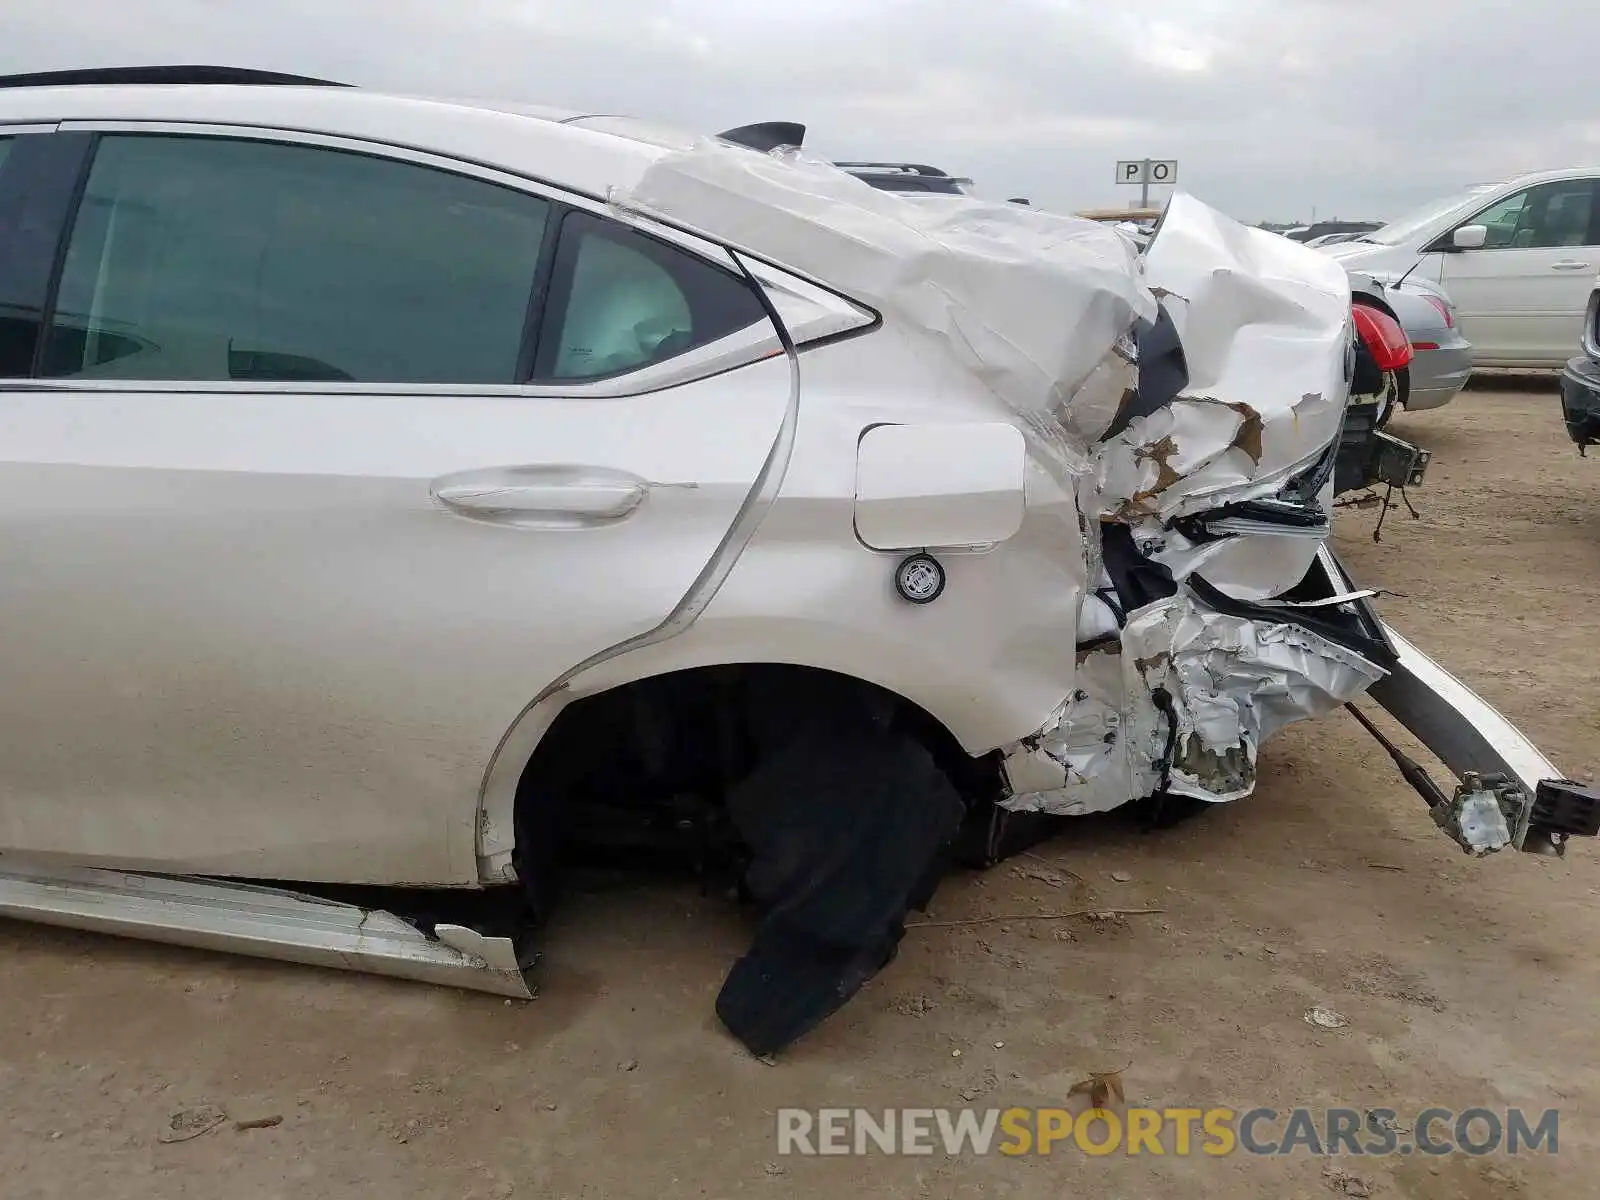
x=66 y=161
x=528 y=353
x=64 y=229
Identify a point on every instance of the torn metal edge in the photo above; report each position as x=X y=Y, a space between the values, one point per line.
x=260 y=922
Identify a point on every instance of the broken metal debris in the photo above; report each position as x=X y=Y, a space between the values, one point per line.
x=1490 y=811
x=1236 y=681
x=1476 y=816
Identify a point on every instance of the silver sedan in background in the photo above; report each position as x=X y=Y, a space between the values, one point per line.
x=1441 y=360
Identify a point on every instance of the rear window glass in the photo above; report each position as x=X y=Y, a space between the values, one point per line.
x=619 y=301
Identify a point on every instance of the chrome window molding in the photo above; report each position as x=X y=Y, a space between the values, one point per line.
x=751 y=344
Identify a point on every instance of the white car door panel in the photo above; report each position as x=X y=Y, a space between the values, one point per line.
x=1521 y=306
x=280 y=656
x=278 y=628
x=1520 y=300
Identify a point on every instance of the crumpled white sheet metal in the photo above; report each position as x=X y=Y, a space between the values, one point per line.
x=1254 y=567
x=1265 y=327
x=1101 y=748
x=1041 y=310
x=1028 y=302
x=1235 y=682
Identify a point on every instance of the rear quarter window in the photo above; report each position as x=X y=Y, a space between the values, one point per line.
x=620 y=300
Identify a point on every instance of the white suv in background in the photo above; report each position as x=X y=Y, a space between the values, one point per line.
x=1517 y=259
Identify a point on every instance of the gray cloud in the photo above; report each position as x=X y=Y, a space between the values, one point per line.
x=1271 y=106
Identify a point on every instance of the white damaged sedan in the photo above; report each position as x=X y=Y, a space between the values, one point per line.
x=417 y=494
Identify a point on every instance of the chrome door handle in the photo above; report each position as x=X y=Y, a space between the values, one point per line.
x=1569 y=264
x=545 y=496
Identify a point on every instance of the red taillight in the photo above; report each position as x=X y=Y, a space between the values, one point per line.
x=1444 y=309
x=1384 y=338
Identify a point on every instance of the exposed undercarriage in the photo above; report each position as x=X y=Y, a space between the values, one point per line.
x=833 y=808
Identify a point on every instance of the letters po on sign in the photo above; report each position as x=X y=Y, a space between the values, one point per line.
x=1148 y=171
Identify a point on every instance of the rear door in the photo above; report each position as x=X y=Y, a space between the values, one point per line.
x=1521 y=298
x=331 y=459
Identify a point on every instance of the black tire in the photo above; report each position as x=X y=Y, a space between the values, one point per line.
x=1164 y=810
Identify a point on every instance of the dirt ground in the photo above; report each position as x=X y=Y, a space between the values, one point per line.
x=1465 y=983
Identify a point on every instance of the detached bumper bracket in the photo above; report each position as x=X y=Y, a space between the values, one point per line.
x=1497 y=764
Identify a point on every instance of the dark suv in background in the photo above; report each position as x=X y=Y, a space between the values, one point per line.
x=1580 y=382
x=1318 y=229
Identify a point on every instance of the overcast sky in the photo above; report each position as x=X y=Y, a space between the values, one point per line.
x=1271 y=107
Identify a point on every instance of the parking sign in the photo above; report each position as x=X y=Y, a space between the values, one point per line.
x=1148 y=171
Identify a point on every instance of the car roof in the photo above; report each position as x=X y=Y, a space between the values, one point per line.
x=1551 y=175
x=587 y=153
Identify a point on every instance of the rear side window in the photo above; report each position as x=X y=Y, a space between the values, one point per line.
x=620 y=300
x=219 y=259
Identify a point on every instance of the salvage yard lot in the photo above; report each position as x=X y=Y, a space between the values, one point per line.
x=1466 y=984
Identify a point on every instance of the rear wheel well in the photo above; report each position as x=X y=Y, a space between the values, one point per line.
x=1373 y=301
x=643 y=767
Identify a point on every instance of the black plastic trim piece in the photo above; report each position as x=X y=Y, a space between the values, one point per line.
x=39 y=189
x=1580 y=400
x=1291 y=514
x=913 y=168
x=1566 y=807
x=198 y=75
x=1137 y=579
x=1375 y=649
x=1140 y=581
x=539 y=297
x=766 y=136
x=1163 y=372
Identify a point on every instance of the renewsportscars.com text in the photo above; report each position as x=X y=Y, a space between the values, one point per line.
x=1213 y=1132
